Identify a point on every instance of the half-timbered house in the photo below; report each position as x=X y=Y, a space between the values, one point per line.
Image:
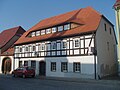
x=80 y=44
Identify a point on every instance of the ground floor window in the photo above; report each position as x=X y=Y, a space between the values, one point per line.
x=64 y=66
x=76 y=66
x=33 y=64
x=25 y=63
x=20 y=63
x=53 y=66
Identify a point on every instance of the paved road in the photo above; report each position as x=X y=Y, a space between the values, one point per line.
x=11 y=83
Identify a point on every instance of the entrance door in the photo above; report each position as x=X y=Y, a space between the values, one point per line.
x=42 y=68
x=6 y=66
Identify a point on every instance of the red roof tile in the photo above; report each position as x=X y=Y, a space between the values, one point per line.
x=9 y=52
x=88 y=17
x=6 y=35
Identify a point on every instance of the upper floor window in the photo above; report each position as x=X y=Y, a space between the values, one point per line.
x=48 y=31
x=76 y=43
x=26 y=48
x=37 y=33
x=42 y=46
x=34 y=48
x=54 y=29
x=60 y=28
x=105 y=27
x=33 y=34
x=67 y=27
x=64 y=44
x=42 y=32
x=20 y=49
x=53 y=45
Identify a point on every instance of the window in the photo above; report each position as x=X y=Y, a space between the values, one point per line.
x=64 y=44
x=42 y=32
x=34 y=48
x=67 y=27
x=33 y=64
x=48 y=31
x=76 y=66
x=76 y=43
x=53 y=66
x=60 y=28
x=53 y=45
x=105 y=27
x=43 y=47
x=110 y=30
x=37 y=33
x=64 y=67
x=26 y=48
x=54 y=29
x=25 y=63
x=20 y=49
x=20 y=63
x=33 y=34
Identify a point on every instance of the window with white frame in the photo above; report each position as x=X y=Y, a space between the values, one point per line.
x=53 y=66
x=53 y=45
x=60 y=28
x=54 y=29
x=43 y=46
x=42 y=32
x=48 y=30
x=76 y=67
x=20 y=49
x=33 y=34
x=34 y=48
x=64 y=66
x=26 y=48
x=33 y=64
x=64 y=44
x=67 y=27
x=76 y=43
x=37 y=33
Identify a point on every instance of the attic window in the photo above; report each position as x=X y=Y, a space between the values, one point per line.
x=42 y=32
x=110 y=30
x=60 y=28
x=33 y=34
x=67 y=27
x=37 y=33
x=48 y=31
x=54 y=29
x=105 y=27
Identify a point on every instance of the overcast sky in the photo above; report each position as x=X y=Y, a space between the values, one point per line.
x=27 y=13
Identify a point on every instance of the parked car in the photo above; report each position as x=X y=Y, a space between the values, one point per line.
x=24 y=72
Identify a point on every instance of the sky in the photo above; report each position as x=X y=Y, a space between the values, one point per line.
x=27 y=13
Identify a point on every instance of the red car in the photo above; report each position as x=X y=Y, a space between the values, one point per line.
x=24 y=72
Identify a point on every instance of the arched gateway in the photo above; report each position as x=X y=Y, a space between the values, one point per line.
x=6 y=65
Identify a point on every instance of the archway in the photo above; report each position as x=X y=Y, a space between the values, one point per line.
x=42 y=68
x=6 y=65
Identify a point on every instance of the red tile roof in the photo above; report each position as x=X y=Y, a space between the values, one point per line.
x=9 y=52
x=88 y=17
x=7 y=35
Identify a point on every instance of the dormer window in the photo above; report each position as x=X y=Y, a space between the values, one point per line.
x=42 y=32
x=37 y=33
x=67 y=27
x=60 y=28
x=54 y=29
x=33 y=34
x=48 y=31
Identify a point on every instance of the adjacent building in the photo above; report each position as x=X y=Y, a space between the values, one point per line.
x=7 y=39
x=80 y=44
